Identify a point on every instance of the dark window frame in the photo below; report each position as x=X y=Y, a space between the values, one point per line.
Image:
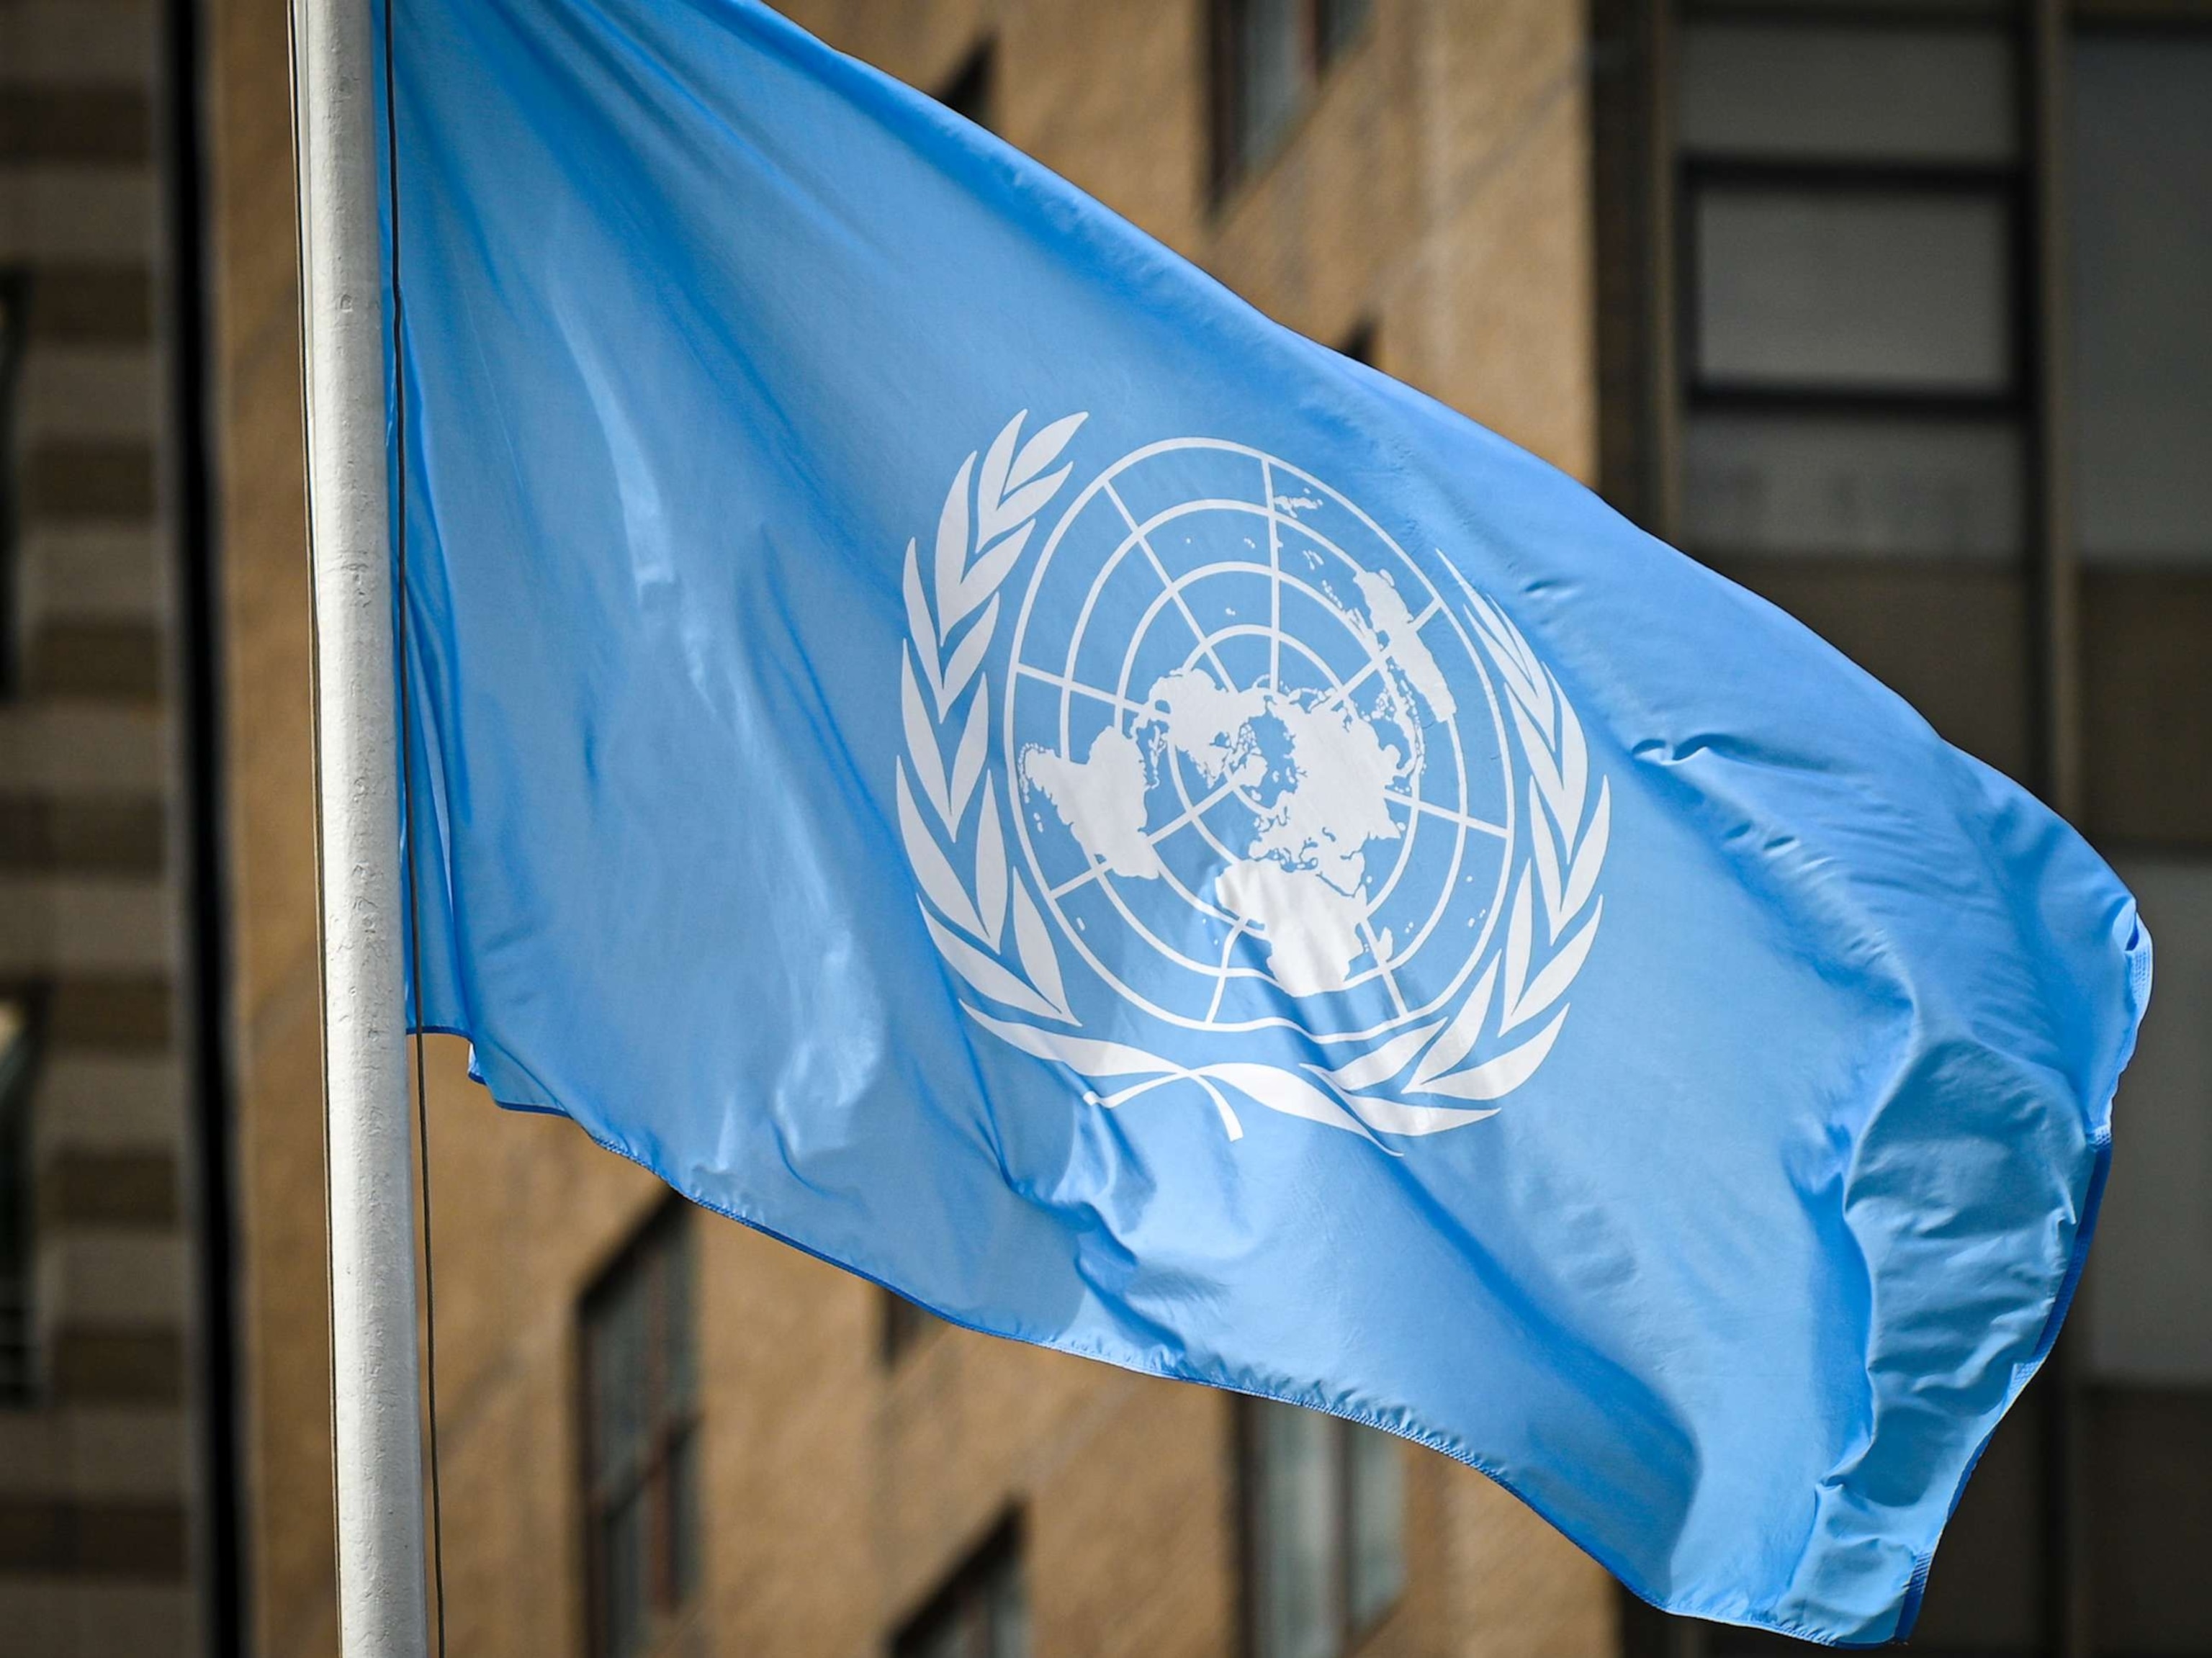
x=905 y=1326
x=1353 y=1631
x=2005 y=185
x=979 y=1576
x=1322 y=44
x=2010 y=183
x=672 y=1434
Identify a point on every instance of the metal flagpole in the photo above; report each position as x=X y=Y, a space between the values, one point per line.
x=382 y=1595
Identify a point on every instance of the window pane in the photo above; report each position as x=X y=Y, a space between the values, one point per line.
x=2150 y=1314
x=643 y=1489
x=684 y=1515
x=1297 y=1526
x=2150 y=1488
x=617 y=1380
x=982 y=1611
x=2147 y=706
x=1852 y=290
x=1378 y=1524
x=621 y=1564
x=680 y=1366
x=2141 y=207
x=1009 y=1614
x=904 y=1324
x=1953 y=639
x=1834 y=485
x=1269 y=72
x=1851 y=93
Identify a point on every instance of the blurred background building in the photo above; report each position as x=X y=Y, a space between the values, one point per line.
x=1899 y=313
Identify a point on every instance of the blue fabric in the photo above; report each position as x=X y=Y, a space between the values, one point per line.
x=1264 y=882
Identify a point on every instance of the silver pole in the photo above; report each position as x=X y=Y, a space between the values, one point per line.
x=376 y=1422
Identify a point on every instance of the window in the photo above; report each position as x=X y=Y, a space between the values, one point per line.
x=1826 y=296
x=1269 y=55
x=905 y=1325
x=642 y=1434
x=16 y=1355
x=1851 y=208
x=973 y=90
x=1324 y=1530
x=982 y=1611
x=2142 y=205
x=2150 y=1308
x=13 y=288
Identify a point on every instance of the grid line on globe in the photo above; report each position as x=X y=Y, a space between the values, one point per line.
x=1258 y=765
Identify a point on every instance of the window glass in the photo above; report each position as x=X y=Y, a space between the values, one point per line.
x=2150 y=1305
x=1868 y=94
x=1857 y=288
x=2147 y=705
x=982 y=1611
x=1842 y=484
x=2141 y=232
x=1010 y=1617
x=618 y=1390
x=1269 y=63
x=642 y=1424
x=1325 y=1530
x=622 y=1574
x=1299 y=1506
x=1378 y=1523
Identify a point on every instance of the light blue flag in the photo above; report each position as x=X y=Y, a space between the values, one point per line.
x=951 y=739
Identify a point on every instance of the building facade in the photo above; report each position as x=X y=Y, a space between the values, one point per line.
x=113 y=1461
x=1891 y=312
x=1901 y=328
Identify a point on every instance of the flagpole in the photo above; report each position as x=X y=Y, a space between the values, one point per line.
x=375 y=1380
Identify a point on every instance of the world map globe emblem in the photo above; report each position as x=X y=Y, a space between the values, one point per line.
x=1262 y=770
x=1214 y=790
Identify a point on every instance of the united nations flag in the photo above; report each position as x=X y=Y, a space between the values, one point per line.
x=956 y=742
x=1264 y=771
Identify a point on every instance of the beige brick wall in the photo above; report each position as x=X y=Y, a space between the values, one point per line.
x=1438 y=188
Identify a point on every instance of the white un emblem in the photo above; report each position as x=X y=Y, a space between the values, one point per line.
x=1221 y=790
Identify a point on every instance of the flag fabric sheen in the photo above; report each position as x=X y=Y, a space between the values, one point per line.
x=953 y=740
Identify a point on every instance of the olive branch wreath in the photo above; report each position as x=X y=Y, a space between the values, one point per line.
x=975 y=551
x=989 y=514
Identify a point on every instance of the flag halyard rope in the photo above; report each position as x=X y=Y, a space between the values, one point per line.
x=407 y=821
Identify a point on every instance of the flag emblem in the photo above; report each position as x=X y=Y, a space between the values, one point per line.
x=1220 y=787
